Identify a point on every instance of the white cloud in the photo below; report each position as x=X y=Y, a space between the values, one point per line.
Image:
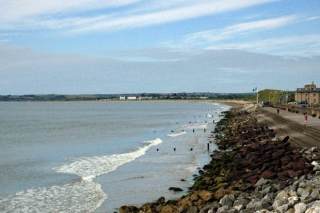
x=200 y=8
x=238 y=29
x=303 y=45
x=17 y=10
x=62 y=15
x=245 y=36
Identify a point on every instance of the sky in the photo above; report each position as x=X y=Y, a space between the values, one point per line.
x=126 y=46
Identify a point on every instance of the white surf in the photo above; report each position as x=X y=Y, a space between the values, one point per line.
x=81 y=196
x=177 y=134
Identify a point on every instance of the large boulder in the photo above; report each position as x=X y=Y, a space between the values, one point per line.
x=227 y=200
x=300 y=208
x=128 y=209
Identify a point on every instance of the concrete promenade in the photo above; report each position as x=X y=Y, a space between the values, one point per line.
x=292 y=125
x=296 y=117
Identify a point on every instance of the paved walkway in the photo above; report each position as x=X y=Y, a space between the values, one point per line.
x=296 y=117
x=292 y=124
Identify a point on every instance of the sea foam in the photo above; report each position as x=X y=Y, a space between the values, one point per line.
x=177 y=134
x=82 y=196
x=90 y=167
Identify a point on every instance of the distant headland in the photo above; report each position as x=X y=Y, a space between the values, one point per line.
x=129 y=97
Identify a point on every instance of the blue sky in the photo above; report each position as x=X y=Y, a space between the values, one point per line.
x=118 y=46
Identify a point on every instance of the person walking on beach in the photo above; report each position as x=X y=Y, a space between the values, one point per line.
x=305 y=119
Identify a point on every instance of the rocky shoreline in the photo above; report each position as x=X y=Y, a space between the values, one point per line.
x=251 y=172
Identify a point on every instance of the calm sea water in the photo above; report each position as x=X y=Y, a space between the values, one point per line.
x=97 y=156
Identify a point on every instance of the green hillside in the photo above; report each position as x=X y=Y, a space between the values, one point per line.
x=275 y=96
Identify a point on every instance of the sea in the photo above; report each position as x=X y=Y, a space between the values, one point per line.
x=95 y=156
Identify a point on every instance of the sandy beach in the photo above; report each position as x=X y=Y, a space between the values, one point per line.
x=265 y=163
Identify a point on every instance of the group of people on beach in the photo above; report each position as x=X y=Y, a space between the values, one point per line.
x=191 y=149
x=193 y=131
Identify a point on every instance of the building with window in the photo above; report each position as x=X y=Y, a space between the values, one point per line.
x=310 y=95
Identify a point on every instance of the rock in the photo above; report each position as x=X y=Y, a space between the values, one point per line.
x=282 y=209
x=316 y=166
x=293 y=200
x=267 y=190
x=315 y=194
x=281 y=200
x=221 y=192
x=210 y=207
x=168 y=209
x=267 y=174
x=304 y=193
x=194 y=196
x=299 y=164
x=161 y=200
x=238 y=207
x=192 y=209
x=255 y=205
x=205 y=195
x=175 y=189
x=223 y=209
x=300 y=208
x=146 y=208
x=266 y=201
x=314 y=207
x=261 y=182
x=240 y=202
x=185 y=203
x=227 y=200
x=290 y=210
x=128 y=209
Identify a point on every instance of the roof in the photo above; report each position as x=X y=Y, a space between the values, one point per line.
x=308 y=90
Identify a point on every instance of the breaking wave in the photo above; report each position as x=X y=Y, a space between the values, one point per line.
x=90 y=167
x=196 y=126
x=177 y=134
x=82 y=196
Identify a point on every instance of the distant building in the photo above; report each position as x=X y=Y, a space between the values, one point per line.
x=145 y=98
x=310 y=95
x=122 y=98
x=203 y=97
x=131 y=98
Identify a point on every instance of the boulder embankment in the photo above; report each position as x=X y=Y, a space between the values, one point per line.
x=252 y=171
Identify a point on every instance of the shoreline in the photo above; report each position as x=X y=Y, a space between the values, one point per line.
x=251 y=172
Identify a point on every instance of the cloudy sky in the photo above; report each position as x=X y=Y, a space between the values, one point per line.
x=119 y=46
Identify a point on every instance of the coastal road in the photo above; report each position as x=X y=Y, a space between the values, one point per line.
x=292 y=124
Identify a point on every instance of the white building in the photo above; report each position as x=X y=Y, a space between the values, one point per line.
x=131 y=98
x=122 y=98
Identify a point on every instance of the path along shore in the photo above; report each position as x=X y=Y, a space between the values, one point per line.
x=255 y=169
